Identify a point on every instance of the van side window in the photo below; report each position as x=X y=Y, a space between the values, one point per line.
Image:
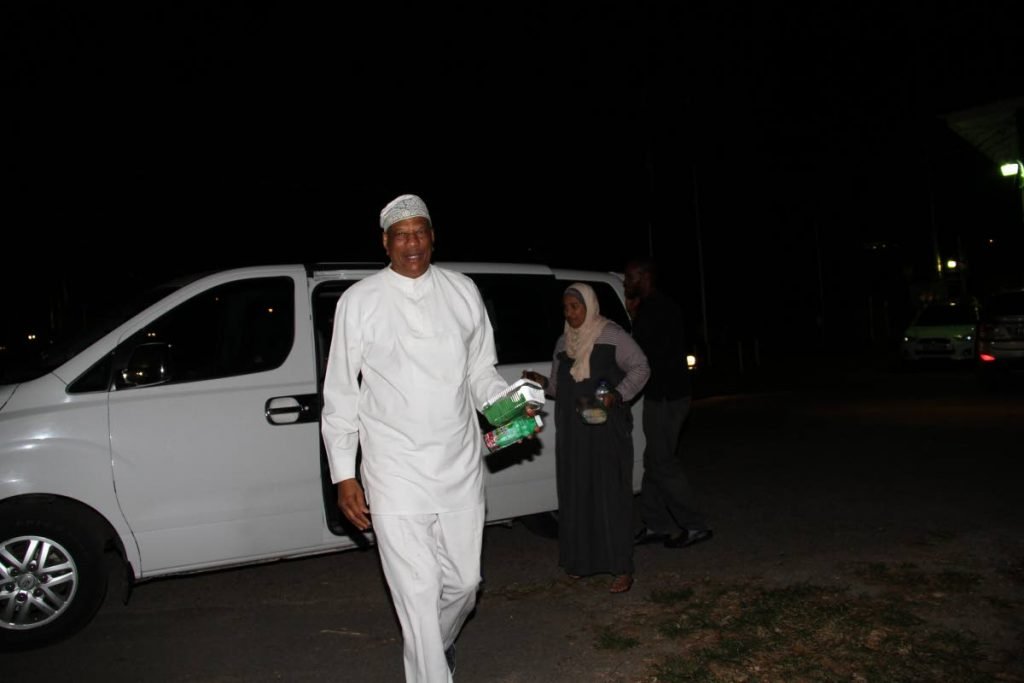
x=233 y=329
x=96 y=378
x=525 y=312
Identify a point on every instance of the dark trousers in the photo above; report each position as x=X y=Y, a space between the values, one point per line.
x=665 y=493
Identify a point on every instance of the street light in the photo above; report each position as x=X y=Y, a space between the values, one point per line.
x=1015 y=169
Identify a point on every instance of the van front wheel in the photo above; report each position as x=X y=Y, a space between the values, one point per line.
x=52 y=576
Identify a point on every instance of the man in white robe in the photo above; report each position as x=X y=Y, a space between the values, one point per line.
x=420 y=337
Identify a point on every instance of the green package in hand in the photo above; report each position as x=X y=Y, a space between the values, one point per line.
x=512 y=403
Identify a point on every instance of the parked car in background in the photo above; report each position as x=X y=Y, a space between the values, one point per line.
x=183 y=434
x=942 y=331
x=1000 y=348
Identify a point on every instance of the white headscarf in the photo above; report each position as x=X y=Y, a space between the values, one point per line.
x=579 y=342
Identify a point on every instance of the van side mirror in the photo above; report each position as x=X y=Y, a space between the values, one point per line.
x=149 y=364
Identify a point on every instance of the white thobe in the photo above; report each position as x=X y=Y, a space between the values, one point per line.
x=425 y=349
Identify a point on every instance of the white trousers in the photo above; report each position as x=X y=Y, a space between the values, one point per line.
x=432 y=565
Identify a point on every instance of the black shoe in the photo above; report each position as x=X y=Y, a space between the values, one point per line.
x=645 y=536
x=688 y=538
x=449 y=656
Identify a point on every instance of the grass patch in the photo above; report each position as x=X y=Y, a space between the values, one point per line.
x=671 y=597
x=610 y=639
x=955 y=581
x=1015 y=571
x=696 y=618
x=902 y=575
x=896 y=615
x=683 y=670
x=1001 y=603
x=519 y=591
x=936 y=537
x=813 y=633
x=907 y=575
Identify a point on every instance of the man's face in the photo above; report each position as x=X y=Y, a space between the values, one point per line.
x=635 y=282
x=409 y=245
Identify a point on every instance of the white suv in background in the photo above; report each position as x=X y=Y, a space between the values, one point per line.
x=942 y=331
x=185 y=435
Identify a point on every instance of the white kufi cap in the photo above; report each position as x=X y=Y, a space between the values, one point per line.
x=402 y=207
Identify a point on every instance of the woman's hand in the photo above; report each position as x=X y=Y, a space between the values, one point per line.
x=536 y=377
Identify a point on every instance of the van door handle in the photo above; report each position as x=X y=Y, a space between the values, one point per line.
x=289 y=410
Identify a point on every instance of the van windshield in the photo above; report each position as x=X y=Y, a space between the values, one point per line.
x=30 y=364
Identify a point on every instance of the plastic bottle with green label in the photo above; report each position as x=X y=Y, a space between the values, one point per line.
x=510 y=433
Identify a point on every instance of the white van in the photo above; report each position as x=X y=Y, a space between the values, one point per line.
x=185 y=436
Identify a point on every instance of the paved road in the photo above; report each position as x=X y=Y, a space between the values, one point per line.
x=796 y=478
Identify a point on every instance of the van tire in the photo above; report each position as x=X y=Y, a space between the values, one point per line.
x=57 y=579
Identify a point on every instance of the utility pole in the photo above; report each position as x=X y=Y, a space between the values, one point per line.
x=821 y=286
x=700 y=265
x=649 y=163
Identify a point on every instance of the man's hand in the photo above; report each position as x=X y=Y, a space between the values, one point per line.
x=352 y=502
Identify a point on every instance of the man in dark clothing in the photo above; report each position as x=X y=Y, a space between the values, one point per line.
x=664 y=495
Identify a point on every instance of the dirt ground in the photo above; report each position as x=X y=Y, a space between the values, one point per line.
x=868 y=527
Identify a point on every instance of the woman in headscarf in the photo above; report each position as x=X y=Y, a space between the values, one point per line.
x=594 y=461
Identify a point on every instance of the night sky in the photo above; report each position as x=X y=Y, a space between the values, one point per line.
x=165 y=138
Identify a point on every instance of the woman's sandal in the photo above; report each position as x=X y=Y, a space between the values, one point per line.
x=621 y=583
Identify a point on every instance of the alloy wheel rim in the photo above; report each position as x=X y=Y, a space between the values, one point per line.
x=38 y=581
